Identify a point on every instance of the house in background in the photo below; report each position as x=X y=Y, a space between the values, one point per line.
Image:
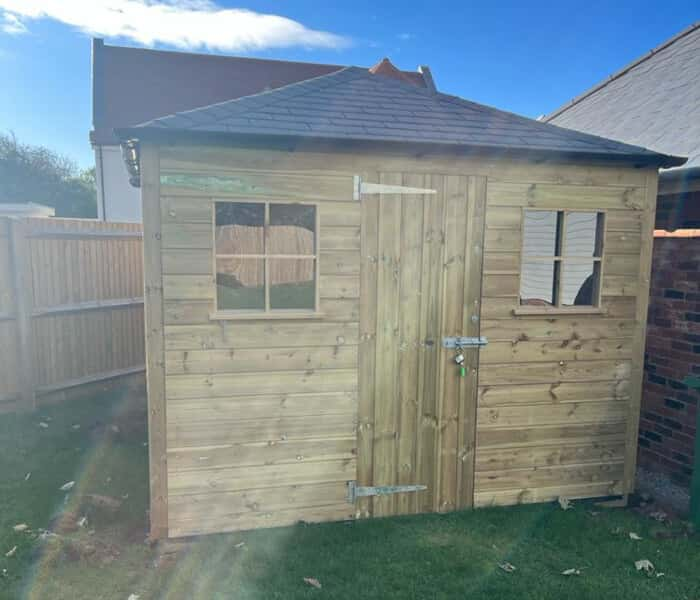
x=652 y=102
x=655 y=102
x=134 y=85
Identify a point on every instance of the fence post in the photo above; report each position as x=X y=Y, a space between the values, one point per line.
x=20 y=262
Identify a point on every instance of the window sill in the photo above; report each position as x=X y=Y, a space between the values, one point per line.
x=529 y=311
x=261 y=316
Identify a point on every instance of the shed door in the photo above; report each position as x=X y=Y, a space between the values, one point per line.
x=420 y=281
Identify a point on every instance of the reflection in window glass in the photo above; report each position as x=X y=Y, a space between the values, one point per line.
x=537 y=283
x=292 y=228
x=581 y=235
x=579 y=283
x=540 y=233
x=555 y=270
x=240 y=283
x=292 y=283
x=240 y=228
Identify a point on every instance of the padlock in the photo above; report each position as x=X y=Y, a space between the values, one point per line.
x=459 y=359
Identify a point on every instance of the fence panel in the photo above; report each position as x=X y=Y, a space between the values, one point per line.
x=71 y=301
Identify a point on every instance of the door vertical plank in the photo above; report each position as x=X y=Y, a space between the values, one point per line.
x=409 y=322
x=429 y=351
x=471 y=318
x=453 y=273
x=368 y=328
x=386 y=361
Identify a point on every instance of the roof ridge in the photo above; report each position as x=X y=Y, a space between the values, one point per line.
x=219 y=56
x=621 y=72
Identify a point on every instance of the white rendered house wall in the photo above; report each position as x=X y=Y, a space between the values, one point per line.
x=117 y=199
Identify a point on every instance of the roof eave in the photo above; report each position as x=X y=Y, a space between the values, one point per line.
x=166 y=136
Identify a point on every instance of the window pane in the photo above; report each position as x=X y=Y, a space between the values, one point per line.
x=240 y=228
x=240 y=284
x=292 y=228
x=537 y=283
x=292 y=283
x=540 y=232
x=582 y=232
x=579 y=283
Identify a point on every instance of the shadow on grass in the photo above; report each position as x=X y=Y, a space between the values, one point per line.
x=99 y=444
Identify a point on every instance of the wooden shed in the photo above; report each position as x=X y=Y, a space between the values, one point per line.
x=365 y=298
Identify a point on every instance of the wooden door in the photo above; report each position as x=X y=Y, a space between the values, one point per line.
x=420 y=282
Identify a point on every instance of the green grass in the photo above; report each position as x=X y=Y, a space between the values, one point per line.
x=429 y=556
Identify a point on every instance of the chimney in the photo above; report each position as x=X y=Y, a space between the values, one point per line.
x=386 y=68
x=424 y=70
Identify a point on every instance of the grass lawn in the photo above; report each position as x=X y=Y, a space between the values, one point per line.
x=432 y=556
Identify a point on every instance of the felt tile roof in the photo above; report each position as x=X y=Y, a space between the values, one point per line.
x=354 y=104
x=653 y=102
x=133 y=85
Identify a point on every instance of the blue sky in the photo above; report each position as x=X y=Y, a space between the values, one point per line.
x=528 y=57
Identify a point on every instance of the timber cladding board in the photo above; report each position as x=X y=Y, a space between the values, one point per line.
x=557 y=392
x=211 y=159
x=263 y=382
x=260 y=359
x=203 y=432
x=232 y=334
x=554 y=196
x=547 y=494
x=255 y=184
x=230 y=504
x=262 y=453
x=267 y=420
x=253 y=520
x=229 y=479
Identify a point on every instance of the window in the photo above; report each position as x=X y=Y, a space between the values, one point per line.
x=562 y=253
x=266 y=257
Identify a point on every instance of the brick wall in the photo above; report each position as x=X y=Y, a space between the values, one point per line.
x=667 y=426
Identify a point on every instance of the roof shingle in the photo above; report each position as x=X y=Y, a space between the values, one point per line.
x=353 y=104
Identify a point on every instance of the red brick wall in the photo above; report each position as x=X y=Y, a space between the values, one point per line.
x=667 y=426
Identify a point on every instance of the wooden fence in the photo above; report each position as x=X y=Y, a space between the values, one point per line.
x=71 y=305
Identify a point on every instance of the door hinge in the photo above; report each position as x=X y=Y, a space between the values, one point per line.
x=464 y=342
x=356 y=491
x=363 y=187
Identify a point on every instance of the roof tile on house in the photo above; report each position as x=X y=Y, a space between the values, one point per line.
x=354 y=104
x=653 y=102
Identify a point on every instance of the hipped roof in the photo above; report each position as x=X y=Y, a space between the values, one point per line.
x=353 y=104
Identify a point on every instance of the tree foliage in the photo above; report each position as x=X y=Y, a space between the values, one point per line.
x=37 y=174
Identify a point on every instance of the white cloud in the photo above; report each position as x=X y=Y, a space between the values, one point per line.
x=12 y=25
x=405 y=36
x=185 y=24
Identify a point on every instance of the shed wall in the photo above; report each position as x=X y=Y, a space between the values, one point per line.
x=558 y=395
